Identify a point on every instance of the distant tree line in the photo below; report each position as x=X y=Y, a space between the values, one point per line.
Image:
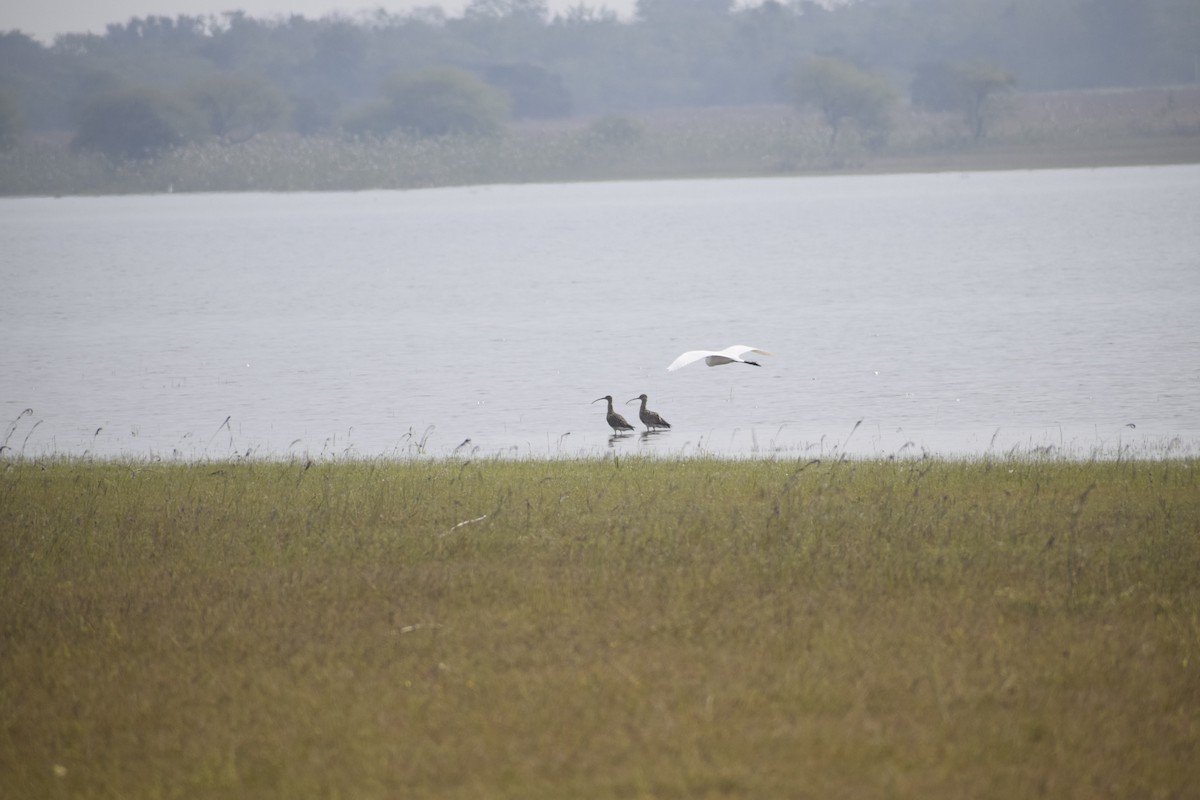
x=153 y=83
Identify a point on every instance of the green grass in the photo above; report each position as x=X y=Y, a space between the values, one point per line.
x=633 y=628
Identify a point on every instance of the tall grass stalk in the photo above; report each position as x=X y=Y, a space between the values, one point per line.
x=624 y=628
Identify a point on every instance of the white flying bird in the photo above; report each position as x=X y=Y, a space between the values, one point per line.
x=714 y=358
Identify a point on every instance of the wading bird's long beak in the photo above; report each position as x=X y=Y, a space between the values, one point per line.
x=634 y=400
x=598 y=399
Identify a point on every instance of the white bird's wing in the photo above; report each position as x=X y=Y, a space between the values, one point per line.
x=688 y=358
x=739 y=350
x=715 y=357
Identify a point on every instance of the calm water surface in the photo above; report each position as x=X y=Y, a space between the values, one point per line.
x=954 y=314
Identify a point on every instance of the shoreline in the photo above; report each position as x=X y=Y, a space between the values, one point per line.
x=1089 y=130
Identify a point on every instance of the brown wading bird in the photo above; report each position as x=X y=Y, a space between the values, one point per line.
x=615 y=420
x=651 y=419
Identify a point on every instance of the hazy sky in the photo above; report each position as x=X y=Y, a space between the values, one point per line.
x=43 y=19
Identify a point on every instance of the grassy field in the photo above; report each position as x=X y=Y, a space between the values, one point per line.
x=1064 y=129
x=633 y=628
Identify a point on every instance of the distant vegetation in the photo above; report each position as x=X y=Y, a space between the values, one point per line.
x=604 y=629
x=226 y=88
x=1143 y=126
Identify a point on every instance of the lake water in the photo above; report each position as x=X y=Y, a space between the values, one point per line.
x=953 y=314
